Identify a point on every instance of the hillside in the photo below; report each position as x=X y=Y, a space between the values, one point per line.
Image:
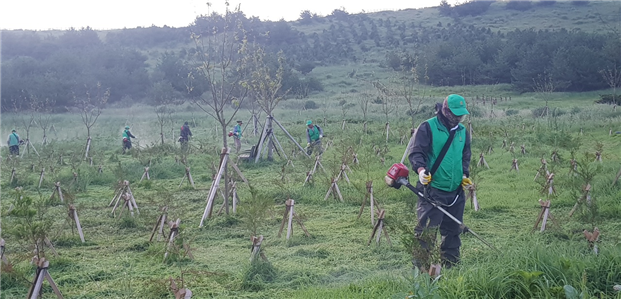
x=492 y=43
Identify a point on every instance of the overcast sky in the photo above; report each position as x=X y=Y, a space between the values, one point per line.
x=113 y=14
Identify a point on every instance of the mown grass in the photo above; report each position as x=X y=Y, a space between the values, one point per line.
x=117 y=261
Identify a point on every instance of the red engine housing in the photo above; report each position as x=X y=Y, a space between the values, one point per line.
x=398 y=170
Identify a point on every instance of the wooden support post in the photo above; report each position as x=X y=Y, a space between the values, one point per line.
x=598 y=156
x=189 y=177
x=234 y=196
x=88 y=147
x=472 y=194
x=214 y=185
x=523 y=151
x=73 y=214
x=159 y=225
x=2 y=256
x=515 y=166
x=372 y=202
x=378 y=229
x=342 y=172
x=100 y=169
x=543 y=215
x=288 y=217
x=42 y=273
x=586 y=198
x=592 y=239
x=255 y=251
x=182 y=293
x=482 y=161
x=12 y=175
x=549 y=185
x=543 y=169
x=58 y=190
x=290 y=137
x=334 y=189
x=41 y=176
x=174 y=231
x=145 y=174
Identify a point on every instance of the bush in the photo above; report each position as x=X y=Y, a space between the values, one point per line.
x=579 y=3
x=545 y=3
x=552 y=112
x=310 y=105
x=519 y=5
x=510 y=112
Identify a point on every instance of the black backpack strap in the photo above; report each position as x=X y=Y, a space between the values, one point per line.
x=436 y=164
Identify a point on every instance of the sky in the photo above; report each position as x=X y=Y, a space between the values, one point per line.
x=116 y=14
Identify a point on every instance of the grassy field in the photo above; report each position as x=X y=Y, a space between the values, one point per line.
x=118 y=261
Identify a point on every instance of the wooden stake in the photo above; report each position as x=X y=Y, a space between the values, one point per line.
x=377 y=230
x=214 y=185
x=159 y=225
x=543 y=215
x=255 y=251
x=482 y=161
x=41 y=176
x=12 y=175
x=592 y=239
x=543 y=169
x=42 y=273
x=334 y=187
x=241 y=175
x=472 y=194
x=88 y=147
x=73 y=214
x=183 y=293
x=586 y=198
x=515 y=166
x=174 y=231
x=2 y=257
x=372 y=202
x=145 y=174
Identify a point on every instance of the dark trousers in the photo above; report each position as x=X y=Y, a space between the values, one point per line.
x=429 y=217
x=14 y=150
x=127 y=145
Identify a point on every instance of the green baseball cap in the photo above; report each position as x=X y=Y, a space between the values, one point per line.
x=309 y=122
x=126 y=127
x=457 y=104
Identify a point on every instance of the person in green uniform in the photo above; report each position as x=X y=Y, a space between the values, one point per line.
x=237 y=135
x=13 y=142
x=446 y=184
x=314 y=134
x=127 y=139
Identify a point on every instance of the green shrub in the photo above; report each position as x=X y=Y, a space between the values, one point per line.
x=257 y=274
x=310 y=105
x=510 y=112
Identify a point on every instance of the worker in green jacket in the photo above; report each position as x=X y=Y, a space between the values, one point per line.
x=446 y=185
x=127 y=139
x=13 y=142
x=314 y=134
x=237 y=135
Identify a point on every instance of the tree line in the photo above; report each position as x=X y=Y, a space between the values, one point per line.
x=66 y=66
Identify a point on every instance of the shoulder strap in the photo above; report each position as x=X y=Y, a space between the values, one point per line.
x=436 y=164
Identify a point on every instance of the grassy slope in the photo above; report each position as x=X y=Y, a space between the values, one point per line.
x=118 y=262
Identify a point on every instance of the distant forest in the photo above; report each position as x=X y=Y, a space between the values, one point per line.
x=66 y=66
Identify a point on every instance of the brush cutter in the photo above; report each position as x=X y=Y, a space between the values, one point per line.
x=397 y=176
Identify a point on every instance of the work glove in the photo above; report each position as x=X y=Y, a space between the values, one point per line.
x=423 y=177
x=308 y=145
x=466 y=182
x=320 y=136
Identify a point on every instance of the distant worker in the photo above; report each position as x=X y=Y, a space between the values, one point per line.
x=127 y=139
x=237 y=135
x=184 y=136
x=13 y=142
x=314 y=134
